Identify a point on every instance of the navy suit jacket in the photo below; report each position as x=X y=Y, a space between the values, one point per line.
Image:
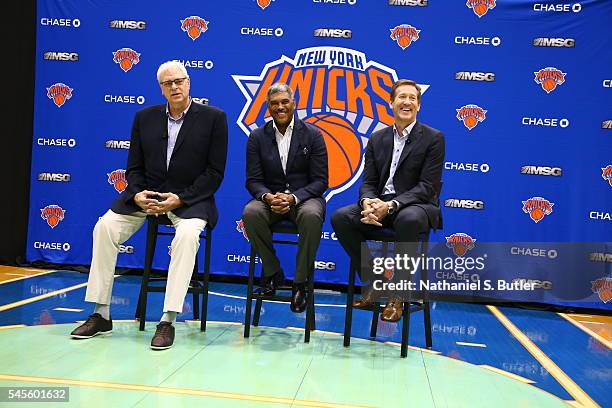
x=196 y=166
x=418 y=176
x=307 y=174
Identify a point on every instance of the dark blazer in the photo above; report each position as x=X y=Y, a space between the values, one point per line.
x=196 y=166
x=307 y=174
x=417 y=179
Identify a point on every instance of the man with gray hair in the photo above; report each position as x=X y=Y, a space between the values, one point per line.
x=287 y=175
x=175 y=164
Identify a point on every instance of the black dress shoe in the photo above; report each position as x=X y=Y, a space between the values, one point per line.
x=94 y=325
x=163 y=337
x=269 y=284
x=298 y=298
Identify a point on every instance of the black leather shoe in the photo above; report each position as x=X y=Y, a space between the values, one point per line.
x=164 y=336
x=298 y=298
x=269 y=284
x=94 y=325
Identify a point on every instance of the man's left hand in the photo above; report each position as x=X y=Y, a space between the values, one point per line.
x=171 y=201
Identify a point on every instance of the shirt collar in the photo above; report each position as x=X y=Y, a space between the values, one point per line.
x=288 y=127
x=182 y=116
x=406 y=131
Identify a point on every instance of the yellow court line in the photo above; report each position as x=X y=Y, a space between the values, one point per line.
x=14 y=326
x=507 y=374
x=66 y=309
x=588 y=331
x=26 y=277
x=415 y=348
x=174 y=390
x=566 y=382
x=463 y=343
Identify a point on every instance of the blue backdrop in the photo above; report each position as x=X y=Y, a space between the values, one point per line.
x=521 y=89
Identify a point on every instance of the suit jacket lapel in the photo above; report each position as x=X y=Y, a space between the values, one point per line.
x=296 y=137
x=164 y=135
x=387 y=154
x=412 y=138
x=270 y=134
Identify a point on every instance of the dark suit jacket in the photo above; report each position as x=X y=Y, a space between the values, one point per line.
x=307 y=175
x=196 y=166
x=417 y=179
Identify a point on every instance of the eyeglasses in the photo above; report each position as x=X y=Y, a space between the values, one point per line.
x=177 y=82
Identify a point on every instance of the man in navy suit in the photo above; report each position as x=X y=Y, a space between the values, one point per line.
x=286 y=175
x=175 y=164
x=400 y=187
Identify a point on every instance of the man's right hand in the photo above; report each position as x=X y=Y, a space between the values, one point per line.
x=276 y=203
x=145 y=199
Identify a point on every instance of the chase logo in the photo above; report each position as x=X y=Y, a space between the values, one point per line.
x=560 y=8
x=335 y=2
x=339 y=91
x=60 y=22
x=467 y=40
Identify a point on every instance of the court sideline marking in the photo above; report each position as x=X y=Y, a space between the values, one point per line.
x=174 y=390
x=562 y=378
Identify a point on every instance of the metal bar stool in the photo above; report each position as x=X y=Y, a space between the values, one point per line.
x=197 y=285
x=386 y=236
x=281 y=227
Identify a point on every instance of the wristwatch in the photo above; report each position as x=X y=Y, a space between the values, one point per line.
x=392 y=206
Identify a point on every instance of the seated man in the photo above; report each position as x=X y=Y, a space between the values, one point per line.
x=175 y=164
x=286 y=175
x=403 y=169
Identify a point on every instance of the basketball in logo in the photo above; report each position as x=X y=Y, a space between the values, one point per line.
x=343 y=146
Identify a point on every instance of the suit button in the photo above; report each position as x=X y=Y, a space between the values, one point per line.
x=287 y=185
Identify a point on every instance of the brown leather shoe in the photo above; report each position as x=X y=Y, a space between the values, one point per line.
x=163 y=337
x=392 y=311
x=367 y=299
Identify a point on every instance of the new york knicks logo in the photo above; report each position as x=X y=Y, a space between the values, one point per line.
x=263 y=3
x=117 y=180
x=606 y=173
x=126 y=58
x=59 y=93
x=549 y=78
x=240 y=228
x=339 y=91
x=404 y=35
x=603 y=288
x=537 y=208
x=480 y=7
x=460 y=243
x=194 y=26
x=53 y=214
x=471 y=115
